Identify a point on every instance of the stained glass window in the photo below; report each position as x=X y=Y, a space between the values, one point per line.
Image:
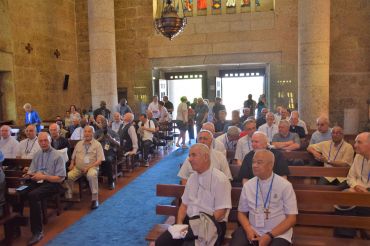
x=230 y=3
x=202 y=4
x=216 y=4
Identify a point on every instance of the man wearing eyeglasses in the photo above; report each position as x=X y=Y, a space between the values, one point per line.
x=271 y=205
x=323 y=132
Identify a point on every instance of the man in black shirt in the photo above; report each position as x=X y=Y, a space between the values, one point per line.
x=168 y=105
x=259 y=141
x=102 y=110
x=294 y=127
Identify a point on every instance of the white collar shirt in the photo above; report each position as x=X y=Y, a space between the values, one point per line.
x=207 y=192
x=78 y=134
x=229 y=145
x=243 y=147
x=269 y=130
x=9 y=147
x=283 y=202
x=28 y=147
x=359 y=173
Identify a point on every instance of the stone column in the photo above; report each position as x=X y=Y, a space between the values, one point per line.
x=313 y=59
x=102 y=40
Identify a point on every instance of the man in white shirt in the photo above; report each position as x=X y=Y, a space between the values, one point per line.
x=271 y=203
x=29 y=146
x=117 y=122
x=146 y=130
x=208 y=191
x=154 y=107
x=8 y=144
x=244 y=144
x=216 y=144
x=78 y=133
x=230 y=138
x=218 y=160
x=270 y=128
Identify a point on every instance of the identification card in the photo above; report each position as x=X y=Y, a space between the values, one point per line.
x=260 y=220
x=86 y=160
x=106 y=147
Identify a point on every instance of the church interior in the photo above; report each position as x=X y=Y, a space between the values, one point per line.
x=312 y=56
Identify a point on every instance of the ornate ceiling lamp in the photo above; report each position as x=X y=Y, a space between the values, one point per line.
x=170 y=24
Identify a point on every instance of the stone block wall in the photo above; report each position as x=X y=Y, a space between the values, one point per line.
x=349 y=59
x=38 y=76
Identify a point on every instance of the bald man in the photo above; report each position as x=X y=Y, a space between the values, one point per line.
x=47 y=171
x=8 y=144
x=208 y=191
x=333 y=153
x=286 y=140
x=244 y=145
x=323 y=132
x=216 y=144
x=358 y=181
x=29 y=146
x=271 y=203
x=260 y=141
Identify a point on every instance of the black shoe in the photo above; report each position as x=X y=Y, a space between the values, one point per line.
x=35 y=238
x=111 y=186
x=94 y=204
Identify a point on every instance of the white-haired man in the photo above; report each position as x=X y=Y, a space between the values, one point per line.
x=285 y=139
x=29 y=146
x=8 y=144
x=323 y=132
x=216 y=144
x=244 y=145
x=269 y=128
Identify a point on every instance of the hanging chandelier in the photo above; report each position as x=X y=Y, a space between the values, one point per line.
x=170 y=24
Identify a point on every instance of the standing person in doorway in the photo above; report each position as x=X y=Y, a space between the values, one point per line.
x=251 y=104
x=182 y=121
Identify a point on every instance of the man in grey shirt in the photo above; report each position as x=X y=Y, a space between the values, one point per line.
x=323 y=132
x=285 y=139
x=46 y=172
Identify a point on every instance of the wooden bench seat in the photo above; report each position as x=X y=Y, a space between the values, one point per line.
x=316 y=209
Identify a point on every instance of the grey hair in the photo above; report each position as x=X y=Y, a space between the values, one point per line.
x=233 y=131
x=267 y=152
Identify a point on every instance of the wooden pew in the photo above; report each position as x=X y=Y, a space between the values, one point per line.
x=303 y=155
x=303 y=177
x=306 y=217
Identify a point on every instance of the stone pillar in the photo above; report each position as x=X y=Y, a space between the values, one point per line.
x=313 y=59
x=102 y=40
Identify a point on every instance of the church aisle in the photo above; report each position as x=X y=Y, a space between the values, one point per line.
x=58 y=224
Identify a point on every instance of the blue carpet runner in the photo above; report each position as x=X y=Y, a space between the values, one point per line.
x=126 y=217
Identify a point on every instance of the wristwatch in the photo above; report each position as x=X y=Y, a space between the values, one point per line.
x=270 y=235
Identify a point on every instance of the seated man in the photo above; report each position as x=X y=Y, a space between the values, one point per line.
x=230 y=138
x=235 y=121
x=8 y=144
x=208 y=191
x=146 y=130
x=47 y=171
x=262 y=119
x=244 y=145
x=333 y=153
x=109 y=140
x=300 y=122
x=78 y=133
x=127 y=135
x=358 y=181
x=221 y=122
x=271 y=203
x=74 y=125
x=269 y=128
x=294 y=127
x=117 y=122
x=259 y=141
x=285 y=139
x=323 y=132
x=29 y=146
x=60 y=143
x=86 y=159
x=246 y=114
x=218 y=160
x=217 y=145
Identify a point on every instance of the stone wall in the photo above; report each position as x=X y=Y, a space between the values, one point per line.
x=349 y=59
x=134 y=26
x=38 y=76
x=265 y=38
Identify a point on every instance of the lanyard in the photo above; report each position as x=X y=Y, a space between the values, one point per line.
x=249 y=146
x=268 y=197
x=87 y=147
x=362 y=169
x=27 y=151
x=335 y=157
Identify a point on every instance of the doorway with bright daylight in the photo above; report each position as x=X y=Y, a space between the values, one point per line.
x=232 y=86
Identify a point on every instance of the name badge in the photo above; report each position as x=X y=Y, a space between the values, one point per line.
x=86 y=159
x=106 y=147
x=260 y=220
